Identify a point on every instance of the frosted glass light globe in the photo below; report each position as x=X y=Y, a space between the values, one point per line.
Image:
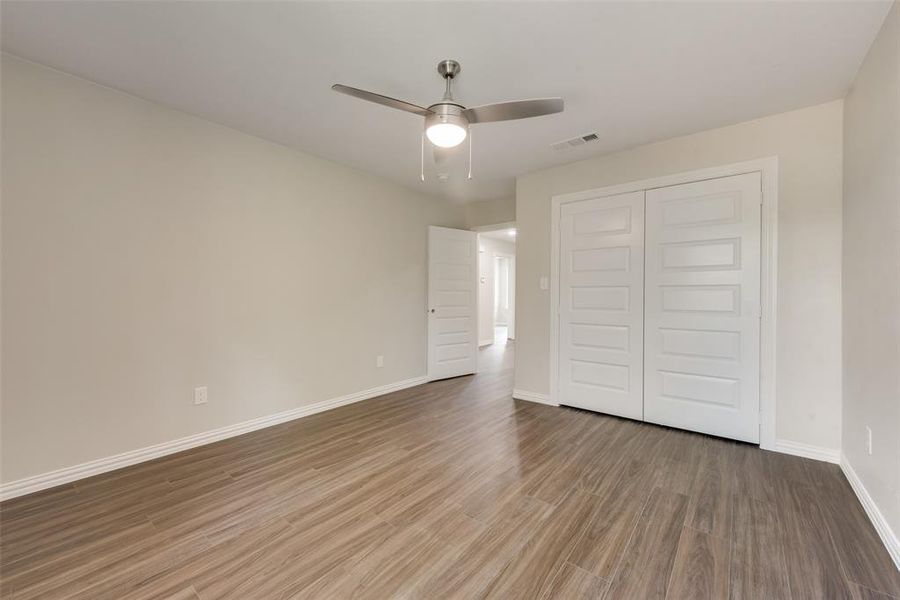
x=446 y=135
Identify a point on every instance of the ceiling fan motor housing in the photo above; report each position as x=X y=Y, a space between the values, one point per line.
x=446 y=113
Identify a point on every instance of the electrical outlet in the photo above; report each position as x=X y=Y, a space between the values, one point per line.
x=869 y=439
x=379 y=361
x=200 y=395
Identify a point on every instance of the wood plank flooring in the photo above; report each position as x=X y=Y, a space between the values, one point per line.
x=451 y=490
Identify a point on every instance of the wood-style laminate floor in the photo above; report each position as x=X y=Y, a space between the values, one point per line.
x=452 y=490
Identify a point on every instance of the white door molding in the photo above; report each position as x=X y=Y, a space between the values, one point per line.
x=768 y=169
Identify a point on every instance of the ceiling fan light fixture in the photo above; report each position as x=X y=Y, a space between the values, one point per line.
x=446 y=127
x=446 y=135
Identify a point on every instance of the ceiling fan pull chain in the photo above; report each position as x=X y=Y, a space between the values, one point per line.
x=470 y=151
x=422 y=159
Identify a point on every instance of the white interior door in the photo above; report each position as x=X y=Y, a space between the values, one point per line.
x=452 y=302
x=702 y=306
x=601 y=282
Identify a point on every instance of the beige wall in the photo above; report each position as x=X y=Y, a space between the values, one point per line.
x=872 y=271
x=146 y=252
x=490 y=212
x=808 y=144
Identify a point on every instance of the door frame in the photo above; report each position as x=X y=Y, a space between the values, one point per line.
x=768 y=169
x=479 y=229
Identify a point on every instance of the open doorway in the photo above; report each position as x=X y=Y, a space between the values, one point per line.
x=502 y=304
x=497 y=285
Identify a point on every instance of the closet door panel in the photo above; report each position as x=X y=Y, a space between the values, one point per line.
x=702 y=269
x=601 y=304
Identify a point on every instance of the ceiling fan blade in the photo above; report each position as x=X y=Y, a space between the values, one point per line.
x=379 y=99
x=518 y=109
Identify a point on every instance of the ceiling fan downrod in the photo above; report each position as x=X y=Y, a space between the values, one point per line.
x=448 y=69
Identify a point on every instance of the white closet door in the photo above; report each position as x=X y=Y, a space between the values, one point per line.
x=601 y=304
x=701 y=368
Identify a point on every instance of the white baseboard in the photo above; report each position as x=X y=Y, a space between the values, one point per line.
x=533 y=397
x=807 y=451
x=43 y=481
x=887 y=535
x=483 y=343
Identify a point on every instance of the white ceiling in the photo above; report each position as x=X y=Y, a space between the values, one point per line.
x=634 y=72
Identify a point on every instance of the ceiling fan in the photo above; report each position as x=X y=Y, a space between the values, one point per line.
x=447 y=122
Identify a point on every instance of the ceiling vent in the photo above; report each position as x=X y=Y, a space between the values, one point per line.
x=581 y=140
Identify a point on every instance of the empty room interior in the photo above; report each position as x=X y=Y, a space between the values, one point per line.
x=425 y=300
